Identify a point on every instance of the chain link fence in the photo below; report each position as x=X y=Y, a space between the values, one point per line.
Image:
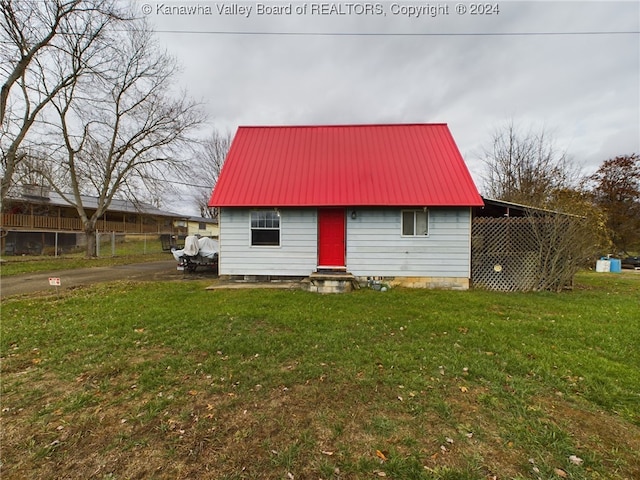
x=108 y=244
x=111 y=244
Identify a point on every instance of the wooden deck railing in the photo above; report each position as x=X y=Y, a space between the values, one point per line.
x=61 y=224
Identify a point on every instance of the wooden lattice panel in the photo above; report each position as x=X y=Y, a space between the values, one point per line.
x=503 y=253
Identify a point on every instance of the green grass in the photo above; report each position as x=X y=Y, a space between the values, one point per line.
x=132 y=250
x=168 y=380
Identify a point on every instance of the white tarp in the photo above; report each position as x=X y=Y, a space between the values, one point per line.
x=191 y=246
x=205 y=247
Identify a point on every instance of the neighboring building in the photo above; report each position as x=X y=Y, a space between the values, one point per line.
x=376 y=201
x=205 y=227
x=39 y=220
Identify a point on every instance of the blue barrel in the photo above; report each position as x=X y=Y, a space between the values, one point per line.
x=616 y=265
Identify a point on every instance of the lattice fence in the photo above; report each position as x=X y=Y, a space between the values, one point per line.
x=525 y=253
x=503 y=254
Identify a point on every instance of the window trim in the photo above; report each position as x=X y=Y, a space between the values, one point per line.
x=415 y=211
x=252 y=228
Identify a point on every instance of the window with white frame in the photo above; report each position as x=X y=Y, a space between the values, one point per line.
x=415 y=223
x=265 y=228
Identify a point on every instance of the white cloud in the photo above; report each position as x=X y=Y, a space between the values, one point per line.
x=582 y=88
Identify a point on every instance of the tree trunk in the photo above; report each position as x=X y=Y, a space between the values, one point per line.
x=90 y=234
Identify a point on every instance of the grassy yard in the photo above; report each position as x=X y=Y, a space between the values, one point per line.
x=167 y=380
x=134 y=249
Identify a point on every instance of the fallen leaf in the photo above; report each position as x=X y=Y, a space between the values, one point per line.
x=449 y=440
x=193 y=393
x=464 y=389
x=575 y=460
x=381 y=455
x=325 y=452
x=290 y=475
x=560 y=472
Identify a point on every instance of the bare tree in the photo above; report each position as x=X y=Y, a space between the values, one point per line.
x=565 y=230
x=567 y=238
x=117 y=124
x=33 y=34
x=524 y=167
x=209 y=165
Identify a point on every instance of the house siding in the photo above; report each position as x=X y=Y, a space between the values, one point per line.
x=376 y=248
x=296 y=256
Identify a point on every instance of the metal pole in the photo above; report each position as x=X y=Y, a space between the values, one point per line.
x=97 y=243
x=113 y=244
x=55 y=254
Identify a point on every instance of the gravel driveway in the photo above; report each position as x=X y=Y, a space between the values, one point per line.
x=29 y=283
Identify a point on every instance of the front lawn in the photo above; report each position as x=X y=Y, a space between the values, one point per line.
x=168 y=380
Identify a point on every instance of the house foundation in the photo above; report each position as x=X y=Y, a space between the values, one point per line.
x=444 y=283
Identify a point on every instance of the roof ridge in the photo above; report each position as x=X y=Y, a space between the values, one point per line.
x=350 y=125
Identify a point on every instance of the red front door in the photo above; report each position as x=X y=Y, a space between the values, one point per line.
x=331 y=237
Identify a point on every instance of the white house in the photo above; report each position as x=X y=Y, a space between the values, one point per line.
x=384 y=201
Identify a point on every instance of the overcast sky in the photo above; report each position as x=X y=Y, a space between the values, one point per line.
x=571 y=67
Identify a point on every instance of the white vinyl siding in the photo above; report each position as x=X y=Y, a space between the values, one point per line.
x=295 y=256
x=376 y=246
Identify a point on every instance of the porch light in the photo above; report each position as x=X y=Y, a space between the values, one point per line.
x=354 y=215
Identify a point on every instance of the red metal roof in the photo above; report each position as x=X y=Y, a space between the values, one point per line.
x=345 y=165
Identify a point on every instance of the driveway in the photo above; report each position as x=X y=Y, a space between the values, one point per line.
x=30 y=283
